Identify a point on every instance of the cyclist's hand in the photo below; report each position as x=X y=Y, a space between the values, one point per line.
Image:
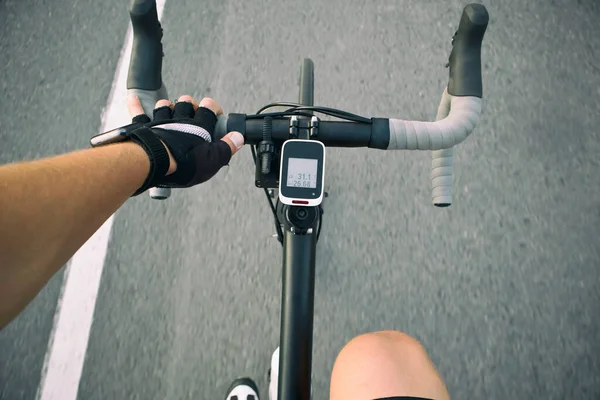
x=194 y=156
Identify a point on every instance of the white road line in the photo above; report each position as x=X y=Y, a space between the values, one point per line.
x=68 y=342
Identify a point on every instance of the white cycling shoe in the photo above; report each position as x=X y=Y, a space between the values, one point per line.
x=246 y=389
x=242 y=389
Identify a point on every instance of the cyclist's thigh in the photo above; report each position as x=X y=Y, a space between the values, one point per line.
x=385 y=364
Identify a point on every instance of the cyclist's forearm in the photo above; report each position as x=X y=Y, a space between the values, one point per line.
x=50 y=207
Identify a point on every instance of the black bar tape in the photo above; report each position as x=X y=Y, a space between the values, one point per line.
x=465 y=58
x=159 y=157
x=145 y=66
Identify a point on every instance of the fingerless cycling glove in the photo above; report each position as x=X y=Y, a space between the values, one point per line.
x=189 y=136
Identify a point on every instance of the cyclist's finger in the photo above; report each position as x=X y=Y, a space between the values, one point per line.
x=162 y=110
x=189 y=99
x=235 y=140
x=134 y=105
x=162 y=103
x=206 y=119
x=211 y=105
x=184 y=109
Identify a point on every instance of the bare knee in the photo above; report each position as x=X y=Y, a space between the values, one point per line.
x=388 y=341
x=382 y=364
x=394 y=349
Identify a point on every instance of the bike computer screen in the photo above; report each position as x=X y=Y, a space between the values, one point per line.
x=302 y=171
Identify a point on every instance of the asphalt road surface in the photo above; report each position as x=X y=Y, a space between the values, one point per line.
x=502 y=288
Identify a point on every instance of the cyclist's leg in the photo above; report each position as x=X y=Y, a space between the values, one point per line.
x=385 y=364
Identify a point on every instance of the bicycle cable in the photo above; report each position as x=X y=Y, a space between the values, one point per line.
x=296 y=109
x=272 y=206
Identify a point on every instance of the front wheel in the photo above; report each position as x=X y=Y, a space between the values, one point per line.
x=307 y=83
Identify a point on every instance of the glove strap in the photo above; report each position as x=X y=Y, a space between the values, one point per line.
x=159 y=157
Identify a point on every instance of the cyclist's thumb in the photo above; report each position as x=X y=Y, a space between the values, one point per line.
x=235 y=140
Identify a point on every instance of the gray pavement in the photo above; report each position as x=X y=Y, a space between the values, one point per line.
x=502 y=288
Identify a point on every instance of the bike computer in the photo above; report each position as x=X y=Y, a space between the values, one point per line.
x=302 y=172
